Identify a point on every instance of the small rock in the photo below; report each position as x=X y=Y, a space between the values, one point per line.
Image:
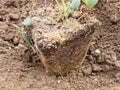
x=16 y=40
x=98 y=51
x=14 y=16
x=21 y=47
x=117 y=64
x=96 y=68
x=100 y=59
x=3 y=11
x=108 y=56
x=2 y=50
x=117 y=75
x=110 y=62
x=59 y=81
x=90 y=57
x=9 y=36
x=114 y=56
x=114 y=18
x=3 y=26
x=87 y=70
x=105 y=68
x=76 y=14
x=118 y=4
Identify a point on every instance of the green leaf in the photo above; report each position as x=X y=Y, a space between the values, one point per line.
x=64 y=6
x=84 y=1
x=75 y=4
x=27 y=21
x=25 y=37
x=21 y=29
x=90 y=3
x=71 y=10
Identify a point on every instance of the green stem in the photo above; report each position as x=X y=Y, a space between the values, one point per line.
x=26 y=38
x=64 y=6
x=58 y=4
x=58 y=7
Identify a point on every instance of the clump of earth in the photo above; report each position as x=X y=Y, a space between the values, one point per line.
x=21 y=69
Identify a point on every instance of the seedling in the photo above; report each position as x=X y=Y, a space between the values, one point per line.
x=26 y=22
x=74 y=5
x=66 y=11
x=58 y=4
x=64 y=6
x=62 y=15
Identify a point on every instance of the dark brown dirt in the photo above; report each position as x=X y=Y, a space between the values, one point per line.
x=19 y=72
x=63 y=45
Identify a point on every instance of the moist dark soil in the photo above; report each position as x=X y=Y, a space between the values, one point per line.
x=21 y=69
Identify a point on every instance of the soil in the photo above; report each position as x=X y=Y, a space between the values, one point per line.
x=63 y=45
x=20 y=68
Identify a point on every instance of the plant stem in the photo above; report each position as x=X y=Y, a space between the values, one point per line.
x=58 y=4
x=58 y=7
x=33 y=2
x=64 y=6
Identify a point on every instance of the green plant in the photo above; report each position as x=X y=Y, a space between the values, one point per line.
x=74 y=5
x=90 y=3
x=64 y=6
x=25 y=23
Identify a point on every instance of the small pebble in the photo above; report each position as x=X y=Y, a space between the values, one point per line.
x=87 y=71
x=16 y=40
x=114 y=18
x=59 y=81
x=9 y=36
x=114 y=56
x=14 y=16
x=117 y=64
x=97 y=51
x=96 y=68
x=76 y=14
